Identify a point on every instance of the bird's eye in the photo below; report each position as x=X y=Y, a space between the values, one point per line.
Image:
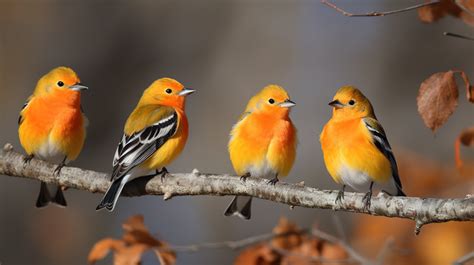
x=60 y=83
x=168 y=90
x=271 y=101
x=351 y=102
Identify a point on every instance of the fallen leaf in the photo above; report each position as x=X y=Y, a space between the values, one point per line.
x=102 y=248
x=135 y=241
x=293 y=239
x=260 y=254
x=432 y=13
x=466 y=138
x=469 y=87
x=437 y=99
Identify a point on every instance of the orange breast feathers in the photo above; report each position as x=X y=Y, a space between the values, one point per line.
x=54 y=118
x=260 y=139
x=347 y=143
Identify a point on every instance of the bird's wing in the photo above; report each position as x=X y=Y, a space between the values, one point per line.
x=380 y=140
x=137 y=147
x=20 y=118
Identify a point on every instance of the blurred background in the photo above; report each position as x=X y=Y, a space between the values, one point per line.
x=227 y=51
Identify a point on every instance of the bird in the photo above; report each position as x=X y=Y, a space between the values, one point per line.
x=262 y=143
x=52 y=126
x=355 y=147
x=155 y=133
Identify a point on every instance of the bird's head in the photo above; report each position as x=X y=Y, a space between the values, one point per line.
x=271 y=99
x=167 y=92
x=350 y=103
x=60 y=79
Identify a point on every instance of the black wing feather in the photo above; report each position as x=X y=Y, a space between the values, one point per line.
x=381 y=142
x=136 y=148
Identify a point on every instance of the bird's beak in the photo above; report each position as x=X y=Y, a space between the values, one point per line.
x=78 y=87
x=287 y=104
x=336 y=104
x=186 y=92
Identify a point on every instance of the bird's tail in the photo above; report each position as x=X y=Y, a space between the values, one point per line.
x=240 y=206
x=112 y=194
x=44 y=197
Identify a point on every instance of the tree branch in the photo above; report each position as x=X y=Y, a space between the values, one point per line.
x=421 y=210
x=376 y=13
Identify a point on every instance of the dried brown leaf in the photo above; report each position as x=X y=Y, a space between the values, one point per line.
x=130 y=255
x=293 y=239
x=469 y=87
x=437 y=99
x=135 y=241
x=165 y=256
x=260 y=254
x=102 y=248
x=432 y=13
x=466 y=138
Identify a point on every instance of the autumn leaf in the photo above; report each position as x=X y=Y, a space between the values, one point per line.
x=469 y=87
x=466 y=138
x=292 y=245
x=135 y=241
x=437 y=99
x=463 y=9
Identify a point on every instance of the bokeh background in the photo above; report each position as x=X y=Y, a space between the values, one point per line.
x=227 y=51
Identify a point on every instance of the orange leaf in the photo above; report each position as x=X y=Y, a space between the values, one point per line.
x=465 y=138
x=102 y=248
x=130 y=255
x=437 y=99
x=286 y=242
x=136 y=240
x=469 y=87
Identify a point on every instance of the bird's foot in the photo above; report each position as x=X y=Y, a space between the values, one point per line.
x=244 y=177
x=340 y=197
x=367 y=200
x=163 y=173
x=27 y=159
x=273 y=181
x=57 y=170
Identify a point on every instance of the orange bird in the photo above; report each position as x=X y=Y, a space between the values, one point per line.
x=355 y=148
x=262 y=143
x=52 y=126
x=154 y=135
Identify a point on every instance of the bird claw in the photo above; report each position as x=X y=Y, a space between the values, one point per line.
x=57 y=170
x=163 y=173
x=244 y=177
x=27 y=159
x=340 y=197
x=273 y=181
x=367 y=200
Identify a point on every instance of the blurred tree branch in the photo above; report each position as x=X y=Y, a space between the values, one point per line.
x=377 y=13
x=421 y=210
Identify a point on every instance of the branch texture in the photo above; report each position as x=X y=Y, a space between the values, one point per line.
x=421 y=210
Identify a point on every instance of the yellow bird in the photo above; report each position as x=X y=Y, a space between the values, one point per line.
x=52 y=126
x=355 y=148
x=154 y=135
x=262 y=143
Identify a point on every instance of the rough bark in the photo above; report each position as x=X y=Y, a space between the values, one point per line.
x=421 y=210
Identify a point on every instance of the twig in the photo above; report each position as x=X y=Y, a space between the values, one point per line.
x=238 y=244
x=376 y=13
x=422 y=210
x=450 y=34
x=464 y=259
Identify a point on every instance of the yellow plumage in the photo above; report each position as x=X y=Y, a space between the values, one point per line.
x=154 y=135
x=355 y=149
